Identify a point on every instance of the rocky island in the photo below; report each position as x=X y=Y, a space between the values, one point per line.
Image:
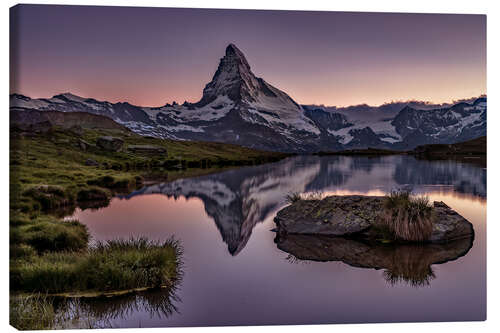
x=357 y=216
x=353 y=229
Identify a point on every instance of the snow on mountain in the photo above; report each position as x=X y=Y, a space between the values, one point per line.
x=384 y=129
x=238 y=107
x=461 y=122
x=120 y=112
x=235 y=81
x=214 y=110
x=410 y=126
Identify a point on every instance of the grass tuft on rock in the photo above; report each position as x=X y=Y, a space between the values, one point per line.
x=408 y=217
x=293 y=197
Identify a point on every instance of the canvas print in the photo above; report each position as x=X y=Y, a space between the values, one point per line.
x=206 y=167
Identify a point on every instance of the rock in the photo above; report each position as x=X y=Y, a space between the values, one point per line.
x=110 y=143
x=84 y=145
x=403 y=262
x=355 y=215
x=334 y=215
x=91 y=162
x=147 y=149
x=449 y=224
x=62 y=141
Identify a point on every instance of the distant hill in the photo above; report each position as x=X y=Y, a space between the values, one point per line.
x=33 y=120
x=471 y=147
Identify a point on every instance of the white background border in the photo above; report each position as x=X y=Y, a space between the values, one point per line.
x=491 y=8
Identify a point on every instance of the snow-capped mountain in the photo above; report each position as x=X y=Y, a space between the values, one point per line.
x=460 y=122
x=238 y=107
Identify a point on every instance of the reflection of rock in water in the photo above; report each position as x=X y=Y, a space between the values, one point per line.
x=410 y=263
x=239 y=199
x=100 y=312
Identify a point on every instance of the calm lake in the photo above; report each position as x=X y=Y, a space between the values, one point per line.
x=234 y=273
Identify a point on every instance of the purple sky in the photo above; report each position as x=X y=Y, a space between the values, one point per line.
x=151 y=56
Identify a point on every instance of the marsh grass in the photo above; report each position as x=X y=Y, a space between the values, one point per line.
x=111 y=266
x=42 y=312
x=50 y=196
x=34 y=312
x=41 y=233
x=408 y=217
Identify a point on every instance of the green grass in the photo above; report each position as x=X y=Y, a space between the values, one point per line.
x=48 y=170
x=113 y=266
x=51 y=256
x=44 y=233
x=49 y=178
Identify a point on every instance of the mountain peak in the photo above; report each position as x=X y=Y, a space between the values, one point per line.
x=235 y=81
x=232 y=77
x=234 y=57
x=233 y=52
x=69 y=96
x=231 y=48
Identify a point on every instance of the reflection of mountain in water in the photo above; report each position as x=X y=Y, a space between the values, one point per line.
x=465 y=178
x=239 y=199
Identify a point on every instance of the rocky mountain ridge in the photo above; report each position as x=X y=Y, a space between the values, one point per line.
x=238 y=107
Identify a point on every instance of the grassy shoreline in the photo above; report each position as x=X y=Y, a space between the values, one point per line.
x=51 y=176
x=473 y=151
x=106 y=268
x=49 y=170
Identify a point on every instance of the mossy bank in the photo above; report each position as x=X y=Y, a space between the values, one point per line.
x=63 y=166
x=56 y=169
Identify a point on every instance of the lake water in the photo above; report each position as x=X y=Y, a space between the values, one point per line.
x=234 y=273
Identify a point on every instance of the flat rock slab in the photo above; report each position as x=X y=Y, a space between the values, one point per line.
x=151 y=149
x=110 y=143
x=354 y=215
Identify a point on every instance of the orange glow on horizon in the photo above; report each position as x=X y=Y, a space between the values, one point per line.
x=150 y=101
